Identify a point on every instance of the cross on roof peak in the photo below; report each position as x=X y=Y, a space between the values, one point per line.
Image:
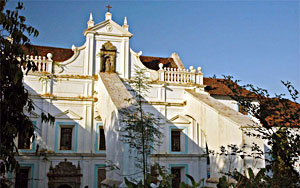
x=108 y=7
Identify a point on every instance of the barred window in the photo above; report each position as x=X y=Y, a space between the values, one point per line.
x=176 y=172
x=66 y=138
x=175 y=140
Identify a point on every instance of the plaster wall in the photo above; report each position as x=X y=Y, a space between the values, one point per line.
x=76 y=65
x=227 y=101
x=219 y=131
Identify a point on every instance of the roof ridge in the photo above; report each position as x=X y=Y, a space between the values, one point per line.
x=50 y=47
x=156 y=57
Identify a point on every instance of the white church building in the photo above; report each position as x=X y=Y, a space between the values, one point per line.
x=84 y=88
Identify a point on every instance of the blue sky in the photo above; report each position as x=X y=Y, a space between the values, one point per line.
x=254 y=41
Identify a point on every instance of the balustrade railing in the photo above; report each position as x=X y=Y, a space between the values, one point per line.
x=173 y=75
x=43 y=64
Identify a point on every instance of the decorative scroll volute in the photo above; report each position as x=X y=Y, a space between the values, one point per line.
x=108 y=57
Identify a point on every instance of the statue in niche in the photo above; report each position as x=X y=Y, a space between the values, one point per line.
x=108 y=65
x=108 y=57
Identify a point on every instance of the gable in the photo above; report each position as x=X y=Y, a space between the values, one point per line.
x=179 y=119
x=108 y=27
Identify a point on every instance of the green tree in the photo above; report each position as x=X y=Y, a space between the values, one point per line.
x=280 y=122
x=165 y=180
x=14 y=98
x=193 y=182
x=141 y=129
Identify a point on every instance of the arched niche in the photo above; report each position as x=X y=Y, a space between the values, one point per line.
x=108 y=57
x=64 y=175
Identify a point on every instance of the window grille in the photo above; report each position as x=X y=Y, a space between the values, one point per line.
x=66 y=138
x=175 y=140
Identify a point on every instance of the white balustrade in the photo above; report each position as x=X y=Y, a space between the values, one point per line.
x=173 y=75
x=43 y=64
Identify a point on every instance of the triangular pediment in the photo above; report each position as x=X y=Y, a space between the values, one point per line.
x=179 y=119
x=108 y=27
x=68 y=114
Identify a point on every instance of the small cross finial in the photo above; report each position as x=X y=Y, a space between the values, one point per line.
x=108 y=7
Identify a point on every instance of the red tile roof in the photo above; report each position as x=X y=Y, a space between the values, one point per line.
x=59 y=54
x=216 y=86
x=152 y=62
x=273 y=112
x=280 y=112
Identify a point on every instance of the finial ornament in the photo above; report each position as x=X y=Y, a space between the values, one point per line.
x=160 y=66
x=125 y=26
x=199 y=69
x=125 y=21
x=90 y=22
x=108 y=7
x=91 y=17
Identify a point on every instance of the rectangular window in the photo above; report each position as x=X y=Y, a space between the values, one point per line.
x=101 y=139
x=175 y=140
x=22 y=178
x=176 y=172
x=66 y=134
x=101 y=176
x=178 y=139
x=24 y=141
x=66 y=138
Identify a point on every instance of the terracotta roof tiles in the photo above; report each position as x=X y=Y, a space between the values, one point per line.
x=153 y=62
x=215 y=86
x=59 y=54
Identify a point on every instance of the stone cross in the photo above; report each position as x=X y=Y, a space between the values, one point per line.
x=108 y=7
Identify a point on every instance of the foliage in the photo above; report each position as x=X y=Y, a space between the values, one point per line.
x=280 y=120
x=165 y=177
x=14 y=98
x=251 y=180
x=165 y=180
x=141 y=129
x=222 y=182
x=132 y=184
x=194 y=183
x=246 y=181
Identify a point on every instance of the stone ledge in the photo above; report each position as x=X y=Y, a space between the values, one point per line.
x=62 y=154
x=179 y=155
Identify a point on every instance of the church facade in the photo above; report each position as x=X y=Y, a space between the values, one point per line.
x=85 y=89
